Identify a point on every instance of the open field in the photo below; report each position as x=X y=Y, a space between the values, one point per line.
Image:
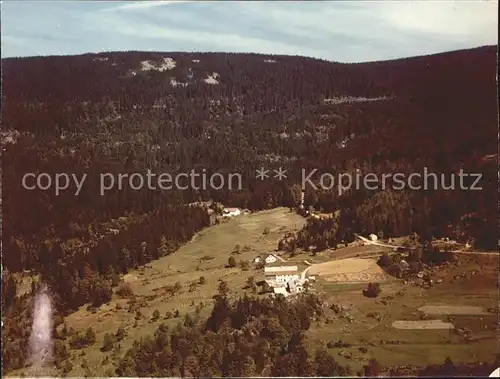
x=423 y=324
x=349 y=270
x=452 y=310
x=369 y=323
x=355 y=250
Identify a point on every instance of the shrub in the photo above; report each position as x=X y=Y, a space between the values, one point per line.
x=394 y=270
x=67 y=367
x=125 y=290
x=373 y=290
x=373 y=368
x=120 y=333
x=156 y=315
x=384 y=261
x=177 y=287
x=237 y=249
x=101 y=293
x=250 y=282
x=108 y=343
x=231 y=262
x=245 y=266
x=81 y=340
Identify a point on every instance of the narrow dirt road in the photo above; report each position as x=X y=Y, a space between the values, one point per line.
x=366 y=240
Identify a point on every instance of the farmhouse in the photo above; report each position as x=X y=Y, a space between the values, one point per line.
x=291 y=287
x=322 y=216
x=295 y=286
x=266 y=258
x=231 y=212
x=281 y=274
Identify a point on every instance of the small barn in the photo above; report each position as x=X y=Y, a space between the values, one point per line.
x=266 y=258
x=231 y=212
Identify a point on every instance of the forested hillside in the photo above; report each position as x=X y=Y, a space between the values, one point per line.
x=232 y=113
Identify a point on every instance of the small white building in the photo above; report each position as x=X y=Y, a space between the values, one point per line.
x=231 y=212
x=266 y=258
x=373 y=237
x=295 y=286
x=271 y=258
x=280 y=291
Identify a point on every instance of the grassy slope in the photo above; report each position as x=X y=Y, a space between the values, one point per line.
x=419 y=347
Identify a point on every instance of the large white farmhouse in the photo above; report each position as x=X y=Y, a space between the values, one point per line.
x=281 y=274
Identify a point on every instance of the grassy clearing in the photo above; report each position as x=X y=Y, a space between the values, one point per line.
x=331 y=287
x=205 y=256
x=422 y=325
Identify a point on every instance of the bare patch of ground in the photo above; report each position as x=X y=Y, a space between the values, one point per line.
x=212 y=79
x=351 y=99
x=422 y=324
x=452 y=310
x=349 y=270
x=168 y=64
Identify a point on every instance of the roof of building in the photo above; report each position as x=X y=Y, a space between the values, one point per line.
x=269 y=255
x=278 y=269
x=231 y=210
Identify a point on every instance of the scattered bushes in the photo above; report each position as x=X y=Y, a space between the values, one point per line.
x=81 y=340
x=125 y=290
